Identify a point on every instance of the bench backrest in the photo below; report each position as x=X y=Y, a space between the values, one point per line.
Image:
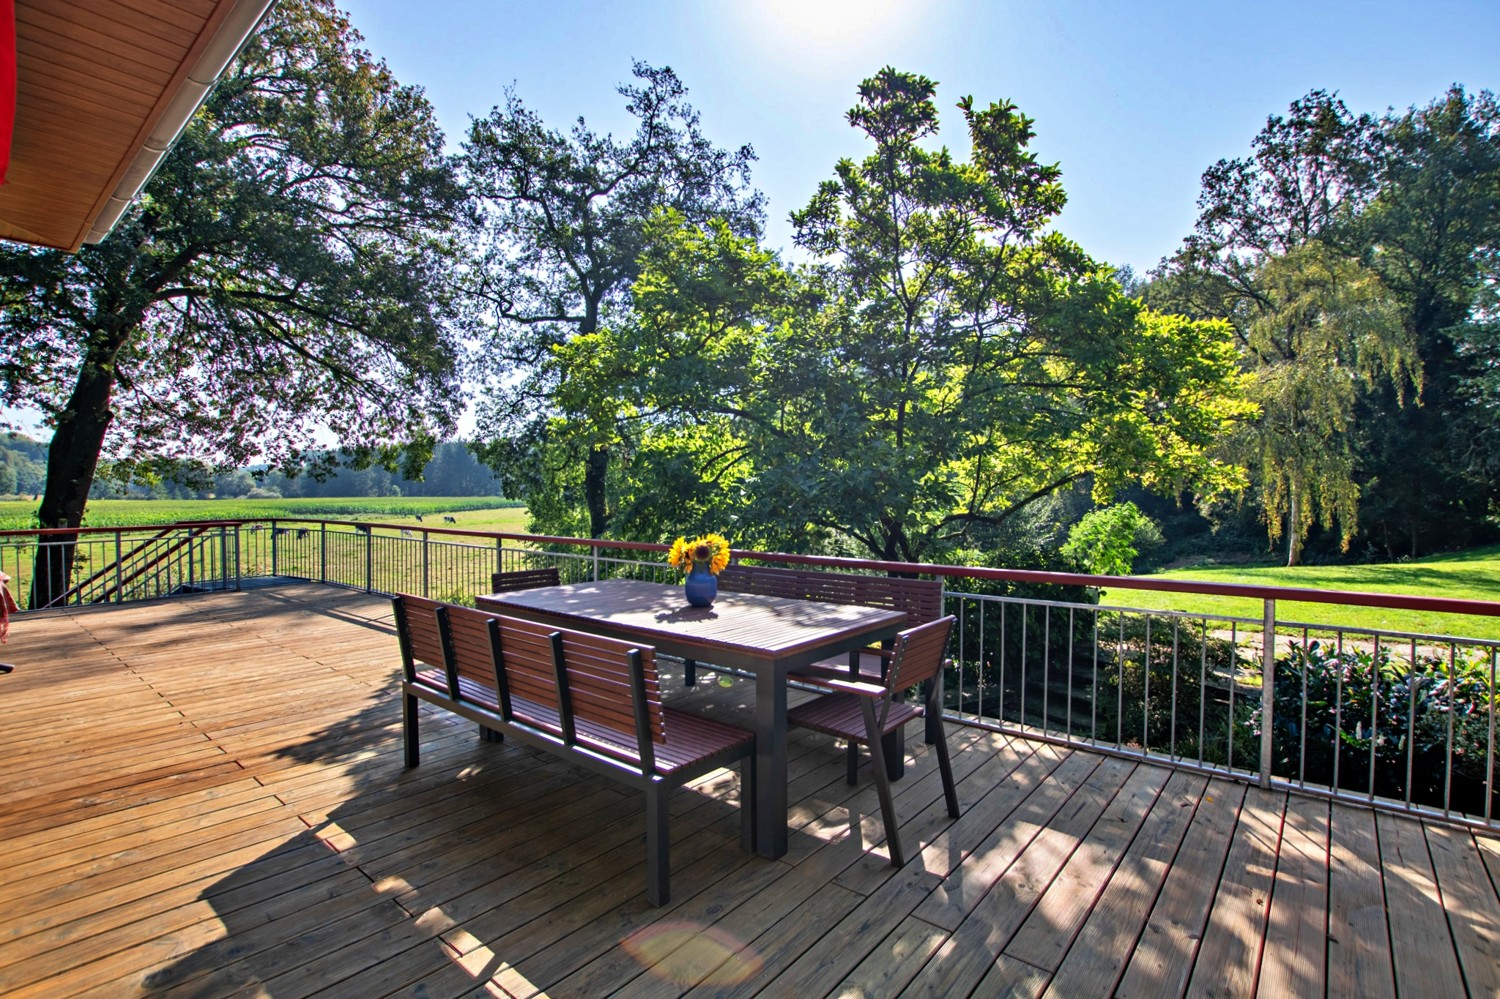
x=524 y=579
x=584 y=678
x=921 y=600
x=419 y=632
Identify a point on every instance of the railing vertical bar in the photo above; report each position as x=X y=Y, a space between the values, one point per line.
x=1448 y=755
x=275 y=549
x=1302 y=727
x=1234 y=682
x=1094 y=692
x=426 y=564
x=369 y=560
x=1146 y=688
x=1176 y=649
x=1338 y=712
x=1000 y=677
x=1203 y=697
x=1024 y=631
x=1068 y=715
x=1120 y=686
x=1267 y=689
x=1413 y=678
x=119 y=571
x=1489 y=753
x=1374 y=715
x=1046 y=667
x=323 y=550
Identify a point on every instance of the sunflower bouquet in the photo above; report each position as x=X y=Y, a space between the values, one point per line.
x=708 y=551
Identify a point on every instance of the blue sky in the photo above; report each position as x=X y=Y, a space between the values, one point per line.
x=1133 y=100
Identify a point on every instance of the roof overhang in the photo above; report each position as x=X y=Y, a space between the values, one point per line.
x=103 y=90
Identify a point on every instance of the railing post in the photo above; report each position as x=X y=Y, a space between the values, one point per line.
x=596 y=563
x=369 y=560
x=1267 y=689
x=237 y=585
x=119 y=578
x=323 y=551
x=426 y=540
x=275 y=555
x=499 y=555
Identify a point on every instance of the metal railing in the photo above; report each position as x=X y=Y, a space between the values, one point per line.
x=1393 y=720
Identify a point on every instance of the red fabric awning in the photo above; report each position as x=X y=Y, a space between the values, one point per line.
x=7 y=81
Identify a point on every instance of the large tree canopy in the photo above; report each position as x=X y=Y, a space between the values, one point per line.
x=565 y=216
x=945 y=362
x=286 y=276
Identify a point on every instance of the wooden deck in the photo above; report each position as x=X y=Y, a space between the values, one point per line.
x=205 y=797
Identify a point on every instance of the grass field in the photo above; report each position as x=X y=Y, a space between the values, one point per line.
x=477 y=513
x=1471 y=575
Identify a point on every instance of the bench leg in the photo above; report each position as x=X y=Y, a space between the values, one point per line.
x=689 y=672
x=487 y=734
x=409 y=730
x=658 y=846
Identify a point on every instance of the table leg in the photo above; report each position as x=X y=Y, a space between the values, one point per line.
x=770 y=762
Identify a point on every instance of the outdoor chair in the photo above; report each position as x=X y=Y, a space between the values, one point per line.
x=864 y=713
x=524 y=579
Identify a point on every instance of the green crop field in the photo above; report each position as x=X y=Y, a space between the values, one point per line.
x=1470 y=575
x=474 y=513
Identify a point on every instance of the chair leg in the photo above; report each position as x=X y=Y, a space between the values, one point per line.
x=949 y=791
x=658 y=846
x=409 y=730
x=893 y=744
x=689 y=672
x=747 y=804
x=934 y=719
x=882 y=785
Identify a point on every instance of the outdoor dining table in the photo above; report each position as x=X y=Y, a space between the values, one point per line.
x=762 y=635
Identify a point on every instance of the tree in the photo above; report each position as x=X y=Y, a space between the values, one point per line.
x=946 y=362
x=1328 y=329
x=287 y=273
x=565 y=216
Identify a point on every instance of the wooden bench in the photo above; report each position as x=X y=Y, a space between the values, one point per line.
x=524 y=579
x=591 y=700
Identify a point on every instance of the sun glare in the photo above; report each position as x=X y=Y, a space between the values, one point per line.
x=811 y=26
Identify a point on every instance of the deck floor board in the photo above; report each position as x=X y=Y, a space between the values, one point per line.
x=205 y=797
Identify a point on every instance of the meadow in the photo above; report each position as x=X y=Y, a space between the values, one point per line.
x=1468 y=575
x=475 y=513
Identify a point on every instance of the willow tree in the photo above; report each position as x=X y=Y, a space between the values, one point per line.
x=1327 y=330
x=285 y=277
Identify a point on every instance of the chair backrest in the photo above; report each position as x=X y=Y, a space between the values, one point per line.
x=921 y=600
x=524 y=579
x=919 y=654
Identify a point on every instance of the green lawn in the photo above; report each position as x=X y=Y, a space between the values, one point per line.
x=476 y=513
x=1471 y=575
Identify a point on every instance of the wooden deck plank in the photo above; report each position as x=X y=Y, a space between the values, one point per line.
x=1471 y=905
x=1359 y=937
x=1421 y=944
x=1162 y=960
x=1096 y=959
x=1295 y=952
x=1229 y=959
x=206 y=798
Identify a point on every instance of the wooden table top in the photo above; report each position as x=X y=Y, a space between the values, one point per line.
x=745 y=626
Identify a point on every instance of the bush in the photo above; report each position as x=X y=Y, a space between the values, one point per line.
x=1359 y=704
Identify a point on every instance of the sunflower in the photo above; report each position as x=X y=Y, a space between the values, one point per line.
x=709 y=549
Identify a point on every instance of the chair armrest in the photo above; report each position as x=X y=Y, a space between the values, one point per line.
x=873 y=691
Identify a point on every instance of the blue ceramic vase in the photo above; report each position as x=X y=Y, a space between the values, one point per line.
x=701 y=586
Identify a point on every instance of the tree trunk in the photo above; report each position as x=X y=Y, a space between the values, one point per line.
x=72 y=460
x=1294 y=528
x=594 y=490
